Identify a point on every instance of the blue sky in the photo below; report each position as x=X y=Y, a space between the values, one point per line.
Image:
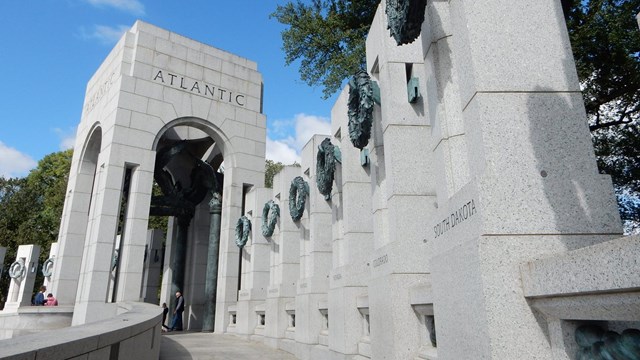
x=50 y=48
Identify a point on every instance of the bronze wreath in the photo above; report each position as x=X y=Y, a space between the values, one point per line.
x=297 y=197
x=17 y=269
x=270 y=215
x=405 y=18
x=360 y=109
x=47 y=267
x=243 y=228
x=325 y=168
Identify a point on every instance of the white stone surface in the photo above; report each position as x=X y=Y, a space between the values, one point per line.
x=53 y=253
x=20 y=288
x=610 y=266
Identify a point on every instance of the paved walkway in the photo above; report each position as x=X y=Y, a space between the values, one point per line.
x=198 y=345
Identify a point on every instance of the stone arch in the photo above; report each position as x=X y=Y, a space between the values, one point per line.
x=218 y=136
x=80 y=196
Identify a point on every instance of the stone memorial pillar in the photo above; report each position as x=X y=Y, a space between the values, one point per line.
x=533 y=188
x=152 y=266
x=48 y=266
x=352 y=235
x=255 y=263
x=315 y=260
x=284 y=261
x=23 y=275
x=403 y=190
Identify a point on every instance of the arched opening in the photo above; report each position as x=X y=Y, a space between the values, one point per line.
x=188 y=188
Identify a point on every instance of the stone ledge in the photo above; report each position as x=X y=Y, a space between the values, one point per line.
x=135 y=322
x=607 y=267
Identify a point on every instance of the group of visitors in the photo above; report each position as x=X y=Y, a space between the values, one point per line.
x=41 y=300
x=176 y=322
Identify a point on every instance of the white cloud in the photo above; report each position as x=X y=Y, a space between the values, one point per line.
x=278 y=151
x=306 y=126
x=13 y=163
x=287 y=149
x=67 y=137
x=133 y=7
x=105 y=34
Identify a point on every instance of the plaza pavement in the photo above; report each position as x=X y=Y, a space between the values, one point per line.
x=202 y=346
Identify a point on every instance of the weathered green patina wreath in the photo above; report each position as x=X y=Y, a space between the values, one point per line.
x=360 y=109
x=47 y=267
x=18 y=269
x=405 y=18
x=596 y=343
x=326 y=167
x=297 y=197
x=270 y=215
x=243 y=228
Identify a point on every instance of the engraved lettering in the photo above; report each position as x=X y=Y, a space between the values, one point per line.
x=457 y=217
x=196 y=87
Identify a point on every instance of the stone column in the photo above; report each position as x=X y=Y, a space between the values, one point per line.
x=21 y=287
x=315 y=260
x=403 y=191
x=255 y=263
x=180 y=258
x=234 y=180
x=91 y=301
x=215 y=209
x=352 y=235
x=73 y=225
x=53 y=252
x=534 y=188
x=135 y=234
x=284 y=259
x=152 y=266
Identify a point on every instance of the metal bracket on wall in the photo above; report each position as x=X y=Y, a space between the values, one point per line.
x=413 y=91
x=364 y=157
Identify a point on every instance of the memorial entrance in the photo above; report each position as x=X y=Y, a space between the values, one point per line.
x=165 y=110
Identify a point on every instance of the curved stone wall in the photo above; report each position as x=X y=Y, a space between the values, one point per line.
x=133 y=334
x=34 y=319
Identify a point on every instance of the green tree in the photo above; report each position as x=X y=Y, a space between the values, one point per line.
x=271 y=168
x=605 y=40
x=31 y=208
x=327 y=37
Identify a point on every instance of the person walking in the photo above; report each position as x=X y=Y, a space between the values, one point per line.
x=176 y=324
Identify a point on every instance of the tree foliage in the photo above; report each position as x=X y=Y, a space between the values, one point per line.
x=605 y=40
x=327 y=37
x=606 y=46
x=271 y=168
x=31 y=208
